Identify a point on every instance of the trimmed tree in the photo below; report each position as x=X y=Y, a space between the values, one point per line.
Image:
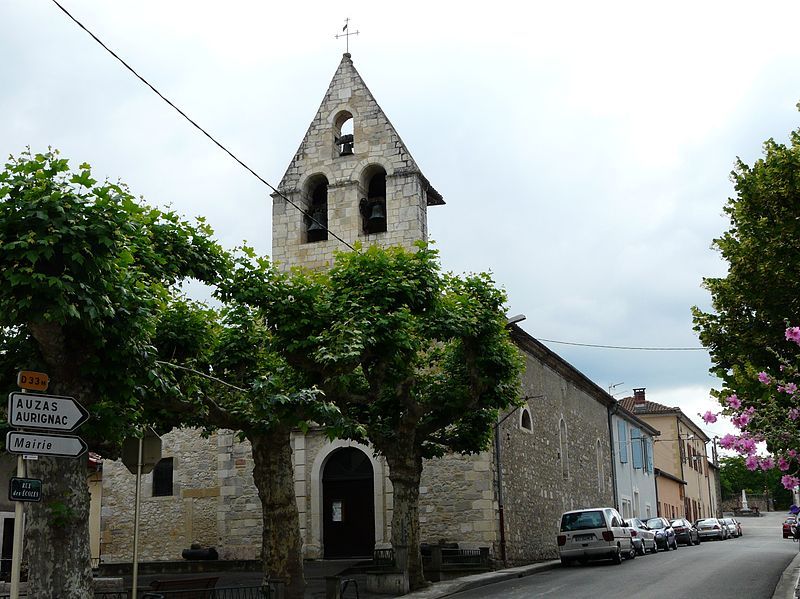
x=268 y=401
x=421 y=359
x=86 y=272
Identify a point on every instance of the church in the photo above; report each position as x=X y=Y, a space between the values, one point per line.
x=356 y=181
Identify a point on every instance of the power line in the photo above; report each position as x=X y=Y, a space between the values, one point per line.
x=198 y=127
x=624 y=346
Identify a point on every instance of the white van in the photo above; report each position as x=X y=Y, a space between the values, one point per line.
x=595 y=533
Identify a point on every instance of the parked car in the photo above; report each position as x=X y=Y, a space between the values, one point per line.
x=731 y=525
x=787 y=526
x=596 y=533
x=685 y=532
x=664 y=533
x=643 y=538
x=738 y=527
x=711 y=528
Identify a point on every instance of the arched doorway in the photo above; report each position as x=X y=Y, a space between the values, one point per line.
x=348 y=508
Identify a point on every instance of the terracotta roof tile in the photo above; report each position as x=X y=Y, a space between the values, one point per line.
x=651 y=407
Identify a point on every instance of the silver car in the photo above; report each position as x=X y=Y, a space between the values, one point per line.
x=733 y=530
x=644 y=539
x=711 y=528
x=596 y=533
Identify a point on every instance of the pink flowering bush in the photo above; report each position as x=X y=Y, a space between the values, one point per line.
x=765 y=411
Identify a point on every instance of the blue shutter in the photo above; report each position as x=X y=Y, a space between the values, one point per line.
x=649 y=442
x=636 y=447
x=623 y=441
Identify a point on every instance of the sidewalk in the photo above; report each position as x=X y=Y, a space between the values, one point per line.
x=317 y=571
x=789 y=584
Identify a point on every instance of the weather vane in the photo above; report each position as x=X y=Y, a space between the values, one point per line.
x=346 y=34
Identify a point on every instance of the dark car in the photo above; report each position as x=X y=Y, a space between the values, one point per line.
x=664 y=533
x=787 y=526
x=686 y=532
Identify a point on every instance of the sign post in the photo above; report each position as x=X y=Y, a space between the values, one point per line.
x=38 y=413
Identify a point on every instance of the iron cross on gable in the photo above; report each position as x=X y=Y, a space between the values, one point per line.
x=346 y=33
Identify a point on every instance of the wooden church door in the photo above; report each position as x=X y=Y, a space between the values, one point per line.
x=348 y=505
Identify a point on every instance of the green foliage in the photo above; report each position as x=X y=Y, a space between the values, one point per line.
x=85 y=271
x=735 y=476
x=410 y=353
x=762 y=247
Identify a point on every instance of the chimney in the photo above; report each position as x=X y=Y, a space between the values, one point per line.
x=638 y=400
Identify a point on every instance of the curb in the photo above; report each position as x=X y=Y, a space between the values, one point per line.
x=450 y=587
x=787 y=585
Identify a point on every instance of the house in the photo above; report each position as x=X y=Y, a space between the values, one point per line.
x=683 y=482
x=634 y=473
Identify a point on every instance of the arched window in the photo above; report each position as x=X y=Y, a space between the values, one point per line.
x=564 y=448
x=316 y=221
x=373 y=207
x=343 y=134
x=601 y=476
x=525 y=420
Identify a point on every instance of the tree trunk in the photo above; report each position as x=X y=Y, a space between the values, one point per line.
x=57 y=532
x=281 y=545
x=405 y=470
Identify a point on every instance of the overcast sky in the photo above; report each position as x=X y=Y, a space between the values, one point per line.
x=583 y=148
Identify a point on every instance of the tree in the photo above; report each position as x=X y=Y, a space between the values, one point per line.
x=269 y=400
x=86 y=271
x=752 y=303
x=735 y=476
x=421 y=359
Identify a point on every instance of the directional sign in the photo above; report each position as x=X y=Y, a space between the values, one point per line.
x=33 y=381
x=45 y=412
x=25 y=489
x=35 y=443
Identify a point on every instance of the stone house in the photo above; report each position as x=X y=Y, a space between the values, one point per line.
x=680 y=457
x=633 y=464
x=355 y=180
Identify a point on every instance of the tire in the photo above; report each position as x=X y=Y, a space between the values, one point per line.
x=675 y=548
x=565 y=562
x=654 y=549
x=643 y=550
x=632 y=553
x=616 y=557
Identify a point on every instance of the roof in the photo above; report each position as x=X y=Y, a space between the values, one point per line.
x=650 y=407
x=627 y=414
x=657 y=409
x=659 y=472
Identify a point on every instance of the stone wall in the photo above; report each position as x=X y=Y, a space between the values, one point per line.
x=213 y=502
x=541 y=478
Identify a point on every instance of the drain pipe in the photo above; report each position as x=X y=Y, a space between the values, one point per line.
x=499 y=470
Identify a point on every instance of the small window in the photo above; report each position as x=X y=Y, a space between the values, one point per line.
x=525 y=421
x=373 y=207
x=343 y=134
x=316 y=218
x=623 y=441
x=162 y=478
x=563 y=446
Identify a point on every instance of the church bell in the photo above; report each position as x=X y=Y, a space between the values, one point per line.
x=374 y=212
x=315 y=231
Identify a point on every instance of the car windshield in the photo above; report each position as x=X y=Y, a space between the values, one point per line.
x=582 y=521
x=655 y=523
x=707 y=521
x=677 y=523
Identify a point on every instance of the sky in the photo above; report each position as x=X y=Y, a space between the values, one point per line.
x=584 y=149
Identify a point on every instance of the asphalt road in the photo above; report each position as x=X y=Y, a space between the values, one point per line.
x=748 y=567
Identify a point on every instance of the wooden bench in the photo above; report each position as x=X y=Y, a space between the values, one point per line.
x=182 y=588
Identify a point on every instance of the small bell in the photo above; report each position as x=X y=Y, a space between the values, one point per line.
x=316 y=232
x=376 y=222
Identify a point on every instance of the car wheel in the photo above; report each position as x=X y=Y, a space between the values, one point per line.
x=675 y=547
x=632 y=553
x=565 y=561
x=616 y=557
x=654 y=548
x=643 y=549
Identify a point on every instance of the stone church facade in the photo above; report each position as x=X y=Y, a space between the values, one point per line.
x=355 y=181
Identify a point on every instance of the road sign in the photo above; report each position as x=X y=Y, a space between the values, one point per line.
x=25 y=489
x=33 y=381
x=151 y=451
x=45 y=412
x=39 y=444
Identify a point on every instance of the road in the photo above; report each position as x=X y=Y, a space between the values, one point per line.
x=745 y=568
